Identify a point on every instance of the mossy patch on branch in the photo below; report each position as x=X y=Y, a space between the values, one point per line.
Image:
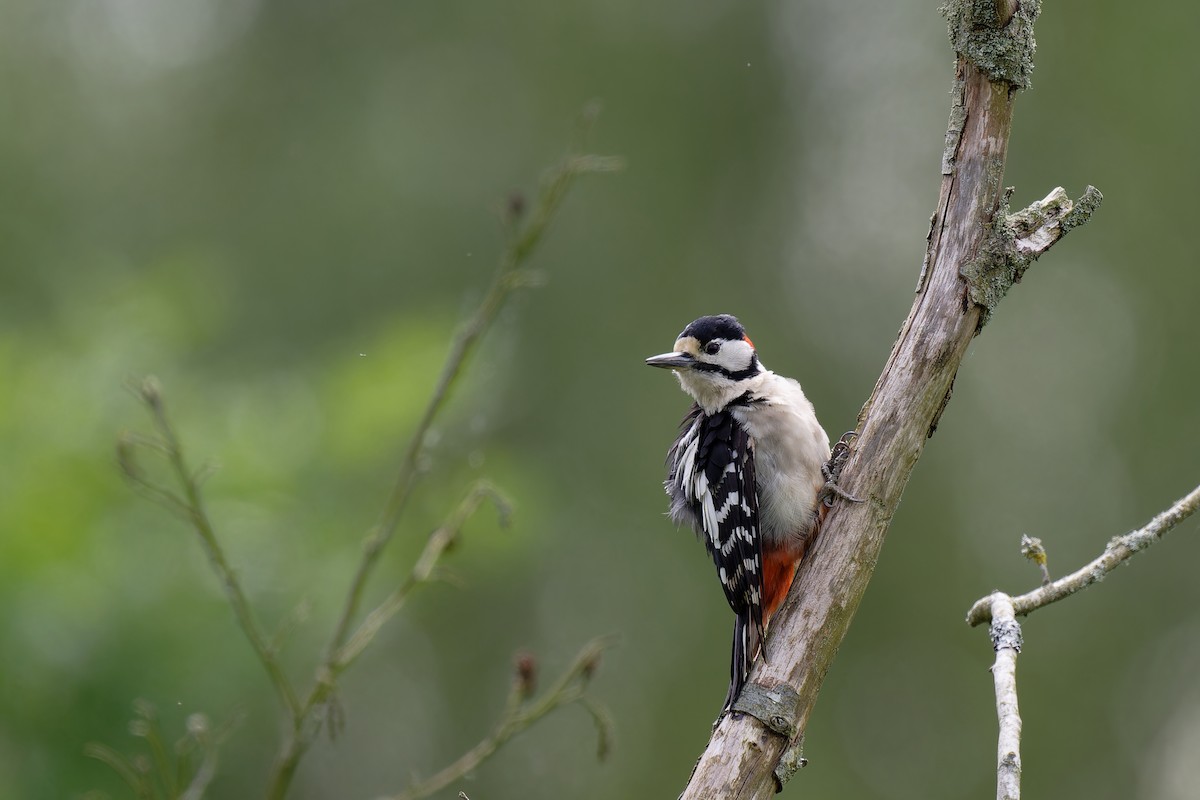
x=992 y=272
x=1083 y=210
x=1014 y=241
x=1002 y=49
x=997 y=265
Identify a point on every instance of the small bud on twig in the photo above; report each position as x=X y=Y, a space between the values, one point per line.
x=590 y=666
x=150 y=390
x=1032 y=548
x=526 y=674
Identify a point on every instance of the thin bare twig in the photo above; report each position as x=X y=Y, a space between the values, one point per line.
x=137 y=781
x=1006 y=640
x=191 y=506
x=439 y=542
x=205 y=772
x=519 y=714
x=510 y=275
x=1119 y=550
x=1002 y=610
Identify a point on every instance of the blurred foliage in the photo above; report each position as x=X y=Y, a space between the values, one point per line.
x=282 y=209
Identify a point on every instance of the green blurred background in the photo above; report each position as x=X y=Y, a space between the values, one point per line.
x=283 y=208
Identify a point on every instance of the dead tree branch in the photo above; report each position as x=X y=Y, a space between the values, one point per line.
x=975 y=252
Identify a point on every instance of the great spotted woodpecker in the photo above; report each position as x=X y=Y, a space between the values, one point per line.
x=745 y=472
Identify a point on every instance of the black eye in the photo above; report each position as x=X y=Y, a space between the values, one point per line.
x=712 y=348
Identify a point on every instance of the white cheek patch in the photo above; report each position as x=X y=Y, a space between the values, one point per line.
x=734 y=356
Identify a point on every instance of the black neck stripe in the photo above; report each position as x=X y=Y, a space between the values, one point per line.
x=740 y=375
x=743 y=399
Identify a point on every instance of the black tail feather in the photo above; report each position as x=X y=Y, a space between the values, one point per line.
x=747 y=640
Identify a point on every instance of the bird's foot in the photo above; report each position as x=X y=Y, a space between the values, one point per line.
x=831 y=470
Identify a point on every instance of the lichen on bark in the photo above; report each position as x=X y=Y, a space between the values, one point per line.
x=1014 y=241
x=1002 y=48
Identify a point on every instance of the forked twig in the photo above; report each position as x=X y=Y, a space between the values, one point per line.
x=520 y=713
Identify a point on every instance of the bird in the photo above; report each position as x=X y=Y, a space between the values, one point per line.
x=746 y=472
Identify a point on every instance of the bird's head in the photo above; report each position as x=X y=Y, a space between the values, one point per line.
x=714 y=360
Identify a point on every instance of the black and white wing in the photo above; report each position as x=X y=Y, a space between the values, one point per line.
x=712 y=487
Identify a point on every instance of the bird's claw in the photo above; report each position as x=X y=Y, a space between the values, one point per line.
x=831 y=470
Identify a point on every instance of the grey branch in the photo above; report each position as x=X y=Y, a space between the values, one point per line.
x=747 y=757
x=1006 y=639
x=1119 y=550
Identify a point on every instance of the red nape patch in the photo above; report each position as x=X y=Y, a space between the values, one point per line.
x=746 y=339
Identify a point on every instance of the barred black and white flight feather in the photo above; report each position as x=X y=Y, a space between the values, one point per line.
x=711 y=483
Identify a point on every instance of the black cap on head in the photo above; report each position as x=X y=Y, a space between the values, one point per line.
x=720 y=326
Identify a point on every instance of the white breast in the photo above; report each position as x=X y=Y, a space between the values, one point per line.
x=790 y=447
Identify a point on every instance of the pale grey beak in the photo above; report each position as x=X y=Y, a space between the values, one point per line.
x=671 y=361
